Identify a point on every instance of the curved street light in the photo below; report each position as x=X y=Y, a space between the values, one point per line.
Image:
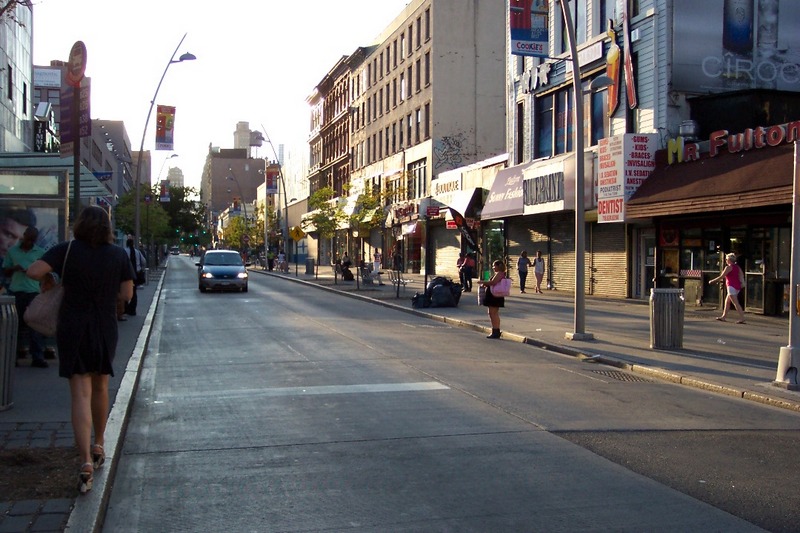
x=137 y=185
x=283 y=186
x=164 y=163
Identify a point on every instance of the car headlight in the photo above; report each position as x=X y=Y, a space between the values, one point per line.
x=207 y=275
x=242 y=275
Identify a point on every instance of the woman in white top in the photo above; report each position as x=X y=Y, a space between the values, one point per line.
x=538 y=270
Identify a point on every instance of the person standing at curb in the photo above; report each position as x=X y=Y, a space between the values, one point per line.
x=538 y=270
x=95 y=272
x=494 y=303
x=522 y=269
x=734 y=281
x=24 y=289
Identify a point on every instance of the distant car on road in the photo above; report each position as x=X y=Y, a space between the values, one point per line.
x=175 y=250
x=221 y=270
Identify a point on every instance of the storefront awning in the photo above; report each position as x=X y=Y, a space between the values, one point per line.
x=752 y=178
x=505 y=196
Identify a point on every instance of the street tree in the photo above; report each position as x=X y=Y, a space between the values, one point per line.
x=326 y=215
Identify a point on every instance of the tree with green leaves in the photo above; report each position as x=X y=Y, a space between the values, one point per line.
x=326 y=215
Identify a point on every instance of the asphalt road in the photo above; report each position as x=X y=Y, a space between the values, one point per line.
x=293 y=409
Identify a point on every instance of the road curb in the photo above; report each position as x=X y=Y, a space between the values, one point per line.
x=88 y=512
x=650 y=371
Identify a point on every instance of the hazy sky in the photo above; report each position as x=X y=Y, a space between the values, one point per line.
x=257 y=61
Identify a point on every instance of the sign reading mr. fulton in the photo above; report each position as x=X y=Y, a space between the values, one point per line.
x=625 y=161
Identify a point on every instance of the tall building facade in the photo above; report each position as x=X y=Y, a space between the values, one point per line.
x=16 y=81
x=426 y=97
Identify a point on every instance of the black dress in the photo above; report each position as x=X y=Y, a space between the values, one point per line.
x=490 y=300
x=87 y=322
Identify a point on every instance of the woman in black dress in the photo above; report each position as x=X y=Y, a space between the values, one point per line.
x=494 y=303
x=96 y=272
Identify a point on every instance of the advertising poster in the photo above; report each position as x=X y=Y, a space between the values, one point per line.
x=732 y=45
x=624 y=162
x=528 y=24
x=15 y=219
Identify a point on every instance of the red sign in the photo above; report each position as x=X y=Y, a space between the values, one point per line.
x=77 y=64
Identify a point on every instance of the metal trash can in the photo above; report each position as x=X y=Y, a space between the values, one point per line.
x=666 y=318
x=8 y=349
x=310 y=265
x=147 y=276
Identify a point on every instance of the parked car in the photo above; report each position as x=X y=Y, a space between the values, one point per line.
x=221 y=270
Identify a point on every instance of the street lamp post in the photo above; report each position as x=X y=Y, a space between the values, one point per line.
x=285 y=197
x=136 y=201
x=579 y=316
x=164 y=163
x=579 y=327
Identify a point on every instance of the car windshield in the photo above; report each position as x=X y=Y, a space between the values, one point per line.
x=223 y=259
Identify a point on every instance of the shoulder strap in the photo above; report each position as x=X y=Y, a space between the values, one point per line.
x=64 y=266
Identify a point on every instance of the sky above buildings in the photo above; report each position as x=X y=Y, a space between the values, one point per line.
x=257 y=61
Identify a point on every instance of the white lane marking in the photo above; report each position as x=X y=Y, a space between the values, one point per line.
x=313 y=391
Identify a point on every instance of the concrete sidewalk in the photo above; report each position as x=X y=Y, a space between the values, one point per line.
x=723 y=357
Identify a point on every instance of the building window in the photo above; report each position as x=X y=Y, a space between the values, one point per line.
x=409 y=126
x=402 y=87
x=394 y=137
x=386 y=140
x=410 y=39
x=394 y=92
x=380 y=65
x=544 y=126
x=410 y=78
x=10 y=83
x=388 y=61
x=427 y=68
x=394 y=54
x=427 y=121
x=564 y=121
x=419 y=124
x=417 y=179
x=380 y=144
x=401 y=145
x=24 y=99
x=428 y=24
x=419 y=32
x=402 y=46
x=369 y=75
x=520 y=136
x=388 y=92
x=555 y=121
x=419 y=74
x=380 y=102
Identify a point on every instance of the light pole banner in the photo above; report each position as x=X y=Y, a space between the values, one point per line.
x=528 y=24
x=165 y=127
x=272 y=181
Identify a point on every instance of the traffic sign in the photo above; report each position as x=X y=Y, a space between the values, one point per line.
x=76 y=67
x=296 y=233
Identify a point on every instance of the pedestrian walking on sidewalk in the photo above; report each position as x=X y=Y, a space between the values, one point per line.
x=522 y=269
x=538 y=270
x=95 y=273
x=138 y=264
x=24 y=289
x=734 y=281
x=494 y=303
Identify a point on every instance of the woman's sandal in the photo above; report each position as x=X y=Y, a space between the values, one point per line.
x=721 y=319
x=98 y=456
x=85 y=478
